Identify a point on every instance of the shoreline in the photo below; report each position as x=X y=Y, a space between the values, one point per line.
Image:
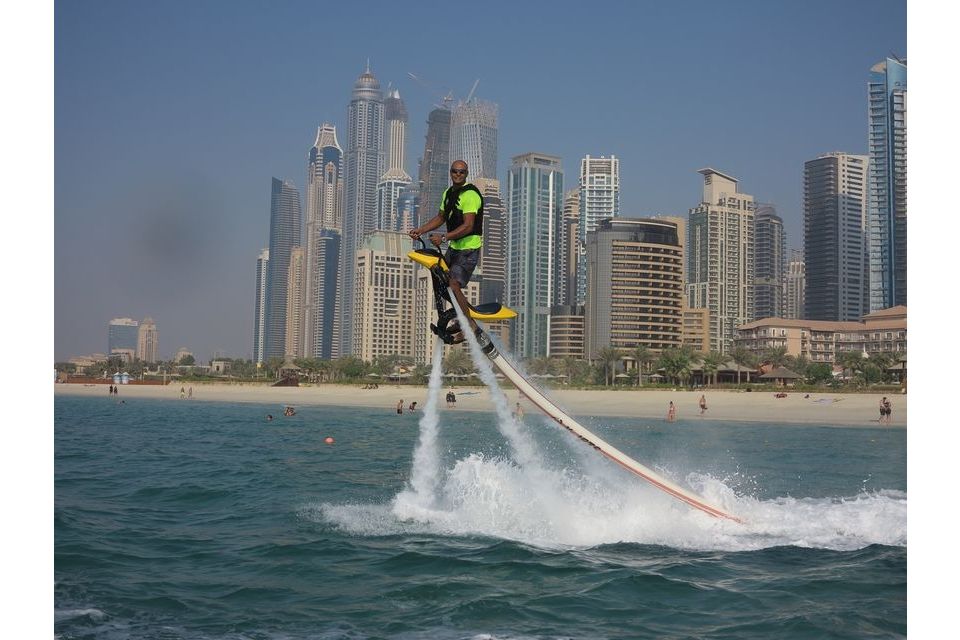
x=831 y=409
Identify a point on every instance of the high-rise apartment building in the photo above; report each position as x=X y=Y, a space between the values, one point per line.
x=434 y=174
x=122 y=335
x=493 y=254
x=293 y=339
x=395 y=179
x=286 y=220
x=795 y=286
x=323 y=229
x=147 y=340
x=720 y=250
x=535 y=211
x=363 y=166
x=635 y=286
x=260 y=307
x=887 y=194
x=834 y=218
x=473 y=137
x=385 y=297
x=570 y=251
x=770 y=262
x=599 y=200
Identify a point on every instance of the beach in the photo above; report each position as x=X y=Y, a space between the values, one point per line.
x=833 y=409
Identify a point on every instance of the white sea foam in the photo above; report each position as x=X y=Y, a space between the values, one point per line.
x=583 y=501
x=495 y=497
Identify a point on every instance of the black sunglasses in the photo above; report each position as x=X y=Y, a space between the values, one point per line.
x=458 y=171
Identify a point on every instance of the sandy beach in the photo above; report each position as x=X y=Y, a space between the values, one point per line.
x=836 y=409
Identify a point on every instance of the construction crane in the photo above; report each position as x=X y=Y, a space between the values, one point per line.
x=445 y=100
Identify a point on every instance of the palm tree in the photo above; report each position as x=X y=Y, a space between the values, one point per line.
x=776 y=356
x=608 y=357
x=457 y=361
x=712 y=363
x=642 y=356
x=742 y=357
x=676 y=363
x=850 y=361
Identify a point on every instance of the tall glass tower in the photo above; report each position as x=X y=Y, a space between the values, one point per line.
x=834 y=218
x=260 y=307
x=770 y=263
x=535 y=215
x=324 y=228
x=362 y=170
x=887 y=212
x=435 y=163
x=473 y=137
x=286 y=220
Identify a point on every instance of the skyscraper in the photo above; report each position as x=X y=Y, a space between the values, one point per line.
x=493 y=254
x=363 y=166
x=535 y=210
x=720 y=257
x=599 y=199
x=570 y=250
x=385 y=296
x=395 y=179
x=635 y=292
x=473 y=137
x=795 y=286
x=293 y=339
x=286 y=219
x=887 y=197
x=324 y=227
x=834 y=217
x=122 y=334
x=260 y=307
x=147 y=340
x=435 y=163
x=770 y=262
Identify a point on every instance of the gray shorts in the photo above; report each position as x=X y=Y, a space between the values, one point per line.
x=462 y=263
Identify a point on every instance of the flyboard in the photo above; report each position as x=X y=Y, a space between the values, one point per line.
x=447 y=328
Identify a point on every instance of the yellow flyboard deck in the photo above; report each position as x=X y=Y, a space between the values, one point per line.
x=486 y=311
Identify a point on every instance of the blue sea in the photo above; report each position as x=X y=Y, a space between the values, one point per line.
x=185 y=519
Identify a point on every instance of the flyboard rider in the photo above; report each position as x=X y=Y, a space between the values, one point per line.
x=461 y=210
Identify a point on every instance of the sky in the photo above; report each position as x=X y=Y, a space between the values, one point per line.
x=171 y=118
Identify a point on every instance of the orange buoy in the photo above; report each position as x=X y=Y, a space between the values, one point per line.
x=328 y=440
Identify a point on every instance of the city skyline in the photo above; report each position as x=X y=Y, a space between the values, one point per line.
x=201 y=227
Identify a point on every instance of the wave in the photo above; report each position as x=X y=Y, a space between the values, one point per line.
x=557 y=508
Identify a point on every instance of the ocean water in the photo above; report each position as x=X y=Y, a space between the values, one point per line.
x=185 y=519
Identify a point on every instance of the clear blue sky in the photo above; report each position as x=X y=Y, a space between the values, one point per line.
x=171 y=117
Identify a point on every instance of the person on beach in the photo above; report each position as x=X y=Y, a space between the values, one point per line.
x=400 y=407
x=111 y=390
x=190 y=393
x=519 y=412
x=671 y=412
x=183 y=393
x=461 y=209
x=413 y=406
x=703 y=404
x=885 y=411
